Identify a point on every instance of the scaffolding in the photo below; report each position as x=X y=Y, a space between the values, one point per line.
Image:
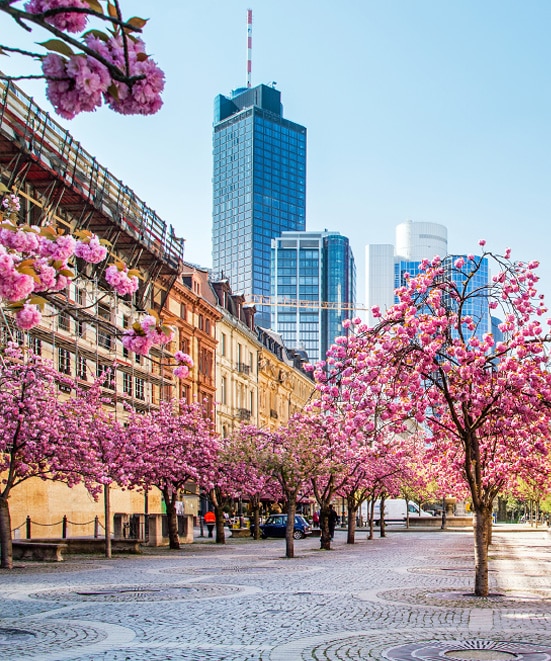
x=36 y=150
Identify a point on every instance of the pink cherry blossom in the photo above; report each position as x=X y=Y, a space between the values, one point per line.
x=74 y=85
x=181 y=371
x=144 y=96
x=28 y=317
x=119 y=278
x=91 y=250
x=66 y=21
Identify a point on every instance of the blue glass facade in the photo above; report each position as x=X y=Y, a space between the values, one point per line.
x=259 y=186
x=317 y=273
x=471 y=281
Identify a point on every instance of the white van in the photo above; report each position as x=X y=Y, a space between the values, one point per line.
x=396 y=510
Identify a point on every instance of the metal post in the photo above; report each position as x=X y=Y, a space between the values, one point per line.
x=28 y=526
x=96 y=527
x=64 y=527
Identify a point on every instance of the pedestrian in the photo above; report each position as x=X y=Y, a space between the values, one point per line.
x=210 y=520
x=333 y=516
x=316 y=519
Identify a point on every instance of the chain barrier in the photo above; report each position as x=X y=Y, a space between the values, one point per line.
x=28 y=523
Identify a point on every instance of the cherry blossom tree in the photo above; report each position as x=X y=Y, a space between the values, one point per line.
x=86 y=416
x=95 y=56
x=484 y=397
x=167 y=447
x=38 y=434
x=242 y=449
x=292 y=456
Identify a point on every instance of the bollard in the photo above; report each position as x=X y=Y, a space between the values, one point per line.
x=64 y=527
x=28 y=527
x=96 y=527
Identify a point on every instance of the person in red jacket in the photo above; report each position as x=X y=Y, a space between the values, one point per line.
x=210 y=520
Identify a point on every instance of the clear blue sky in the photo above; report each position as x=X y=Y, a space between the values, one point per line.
x=425 y=109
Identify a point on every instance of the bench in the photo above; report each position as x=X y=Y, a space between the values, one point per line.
x=78 y=545
x=44 y=551
x=240 y=532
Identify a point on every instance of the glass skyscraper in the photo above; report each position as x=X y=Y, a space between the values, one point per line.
x=315 y=272
x=259 y=186
x=386 y=267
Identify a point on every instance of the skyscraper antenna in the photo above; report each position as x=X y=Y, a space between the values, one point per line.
x=249 y=45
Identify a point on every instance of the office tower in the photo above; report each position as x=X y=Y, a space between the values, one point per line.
x=386 y=265
x=316 y=271
x=259 y=186
x=471 y=280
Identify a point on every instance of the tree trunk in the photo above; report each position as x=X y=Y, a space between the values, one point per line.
x=256 y=521
x=107 y=514
x=170 y=503
x=6 y=557
x=481 y=544
x=352 y=509
x=220 y=523
x=325 y=533
x=289 y=539
x=382 y=521
x=371 y=532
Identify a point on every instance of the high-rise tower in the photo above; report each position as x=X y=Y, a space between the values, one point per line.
x=316 y=273
x=259 y=186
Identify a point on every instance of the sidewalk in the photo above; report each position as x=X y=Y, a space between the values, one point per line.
x=407 y=596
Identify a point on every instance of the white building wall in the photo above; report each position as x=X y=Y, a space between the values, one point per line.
x=414 y=242
x=419 y=240
x=379 y=273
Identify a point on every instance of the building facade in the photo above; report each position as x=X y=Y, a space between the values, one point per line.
x=386 y=264
x=316 y=273
x=237 y=361
x=259 y=186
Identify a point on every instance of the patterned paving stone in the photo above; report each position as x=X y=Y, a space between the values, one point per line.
x=246 y=602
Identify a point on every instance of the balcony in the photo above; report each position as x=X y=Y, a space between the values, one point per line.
x=243 y=414
x=243 y=368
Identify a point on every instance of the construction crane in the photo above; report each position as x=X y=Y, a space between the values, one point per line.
x=276 y=301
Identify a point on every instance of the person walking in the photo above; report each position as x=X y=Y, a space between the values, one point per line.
x=210 y=520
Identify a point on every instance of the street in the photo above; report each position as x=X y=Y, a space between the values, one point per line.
x=407 y=596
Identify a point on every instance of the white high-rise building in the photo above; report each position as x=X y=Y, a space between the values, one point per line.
x=385 y=264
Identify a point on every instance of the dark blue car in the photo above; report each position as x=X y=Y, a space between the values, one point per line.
x=276 y=525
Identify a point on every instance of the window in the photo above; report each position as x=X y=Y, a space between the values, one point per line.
x=81 y=329
x=103 y=369
x=223 y=390
x=104 y=311
x=183 y=311
x=140 y=388
x=36 y=345
x=80 y=296
x=127 y=384
x=64 y=321
x=63 y=360
x=81 y=368
x=223 y=344
x=104 y=339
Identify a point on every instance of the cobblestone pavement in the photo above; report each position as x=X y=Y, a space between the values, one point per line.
x=407 y=596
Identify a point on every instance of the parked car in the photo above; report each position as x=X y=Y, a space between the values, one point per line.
x=276 y=524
